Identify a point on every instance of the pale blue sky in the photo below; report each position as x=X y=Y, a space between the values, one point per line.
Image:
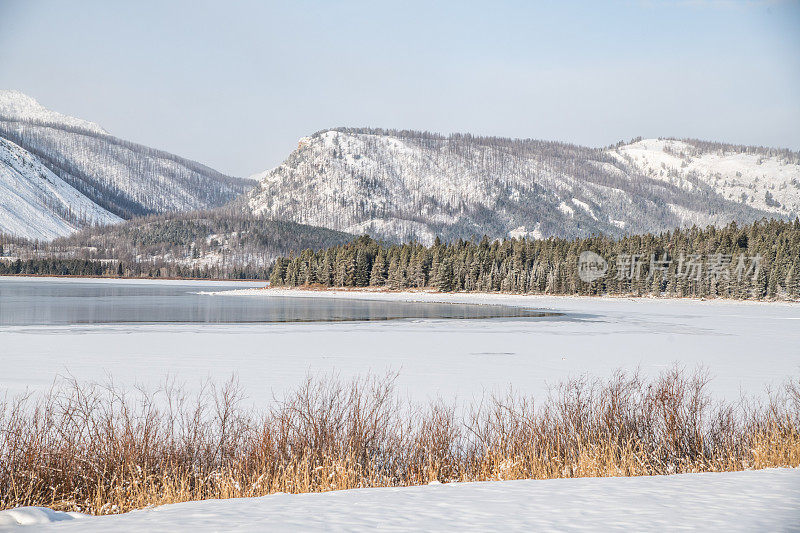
x=235 y=84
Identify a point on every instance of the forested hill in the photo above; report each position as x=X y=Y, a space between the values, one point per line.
x=760 y=260
x=120 y=178
x=220 y=243
x=405 y=185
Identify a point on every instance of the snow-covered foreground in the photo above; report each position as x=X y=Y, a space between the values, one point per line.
x=745 y=346
x=765 y=500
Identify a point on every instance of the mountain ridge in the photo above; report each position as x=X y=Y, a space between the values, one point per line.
x=400 y=185
x=36 y=203
x=404 y=184
x=124 y=178
x=18 y=106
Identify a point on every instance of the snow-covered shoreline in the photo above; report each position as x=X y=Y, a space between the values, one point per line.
x=516 y=300
x=763 y=500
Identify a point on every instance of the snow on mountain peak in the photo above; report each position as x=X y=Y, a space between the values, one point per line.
x=16 y=105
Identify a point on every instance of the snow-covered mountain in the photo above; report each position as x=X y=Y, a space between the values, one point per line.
x=37 y=204
x=400 y=185
x=15 y=105
x=763 y=178
x=122 y=178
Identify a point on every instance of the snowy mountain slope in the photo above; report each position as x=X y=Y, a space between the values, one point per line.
x=37 y=204
x=404 y=185
x=124 y=178
x=15 y=105
x=760 y=500
x=762 y=178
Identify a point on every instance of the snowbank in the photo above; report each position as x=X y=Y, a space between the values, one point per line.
x=765 y=500
x=33 y=516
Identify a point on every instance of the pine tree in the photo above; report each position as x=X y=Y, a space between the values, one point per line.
x=377 y=276
x=361 y=273
x=396 y=279
x=445 y=281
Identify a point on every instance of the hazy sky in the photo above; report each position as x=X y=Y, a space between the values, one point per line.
x=235 y=84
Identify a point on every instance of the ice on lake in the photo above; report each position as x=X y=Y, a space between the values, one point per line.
x=745 y=346
x=59 y=302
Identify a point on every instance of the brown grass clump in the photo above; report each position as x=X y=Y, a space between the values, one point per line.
x=100 y=450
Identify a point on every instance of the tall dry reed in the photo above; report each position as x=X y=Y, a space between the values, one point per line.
x=99 y=449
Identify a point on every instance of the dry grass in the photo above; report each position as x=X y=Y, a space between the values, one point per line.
x=99 y=450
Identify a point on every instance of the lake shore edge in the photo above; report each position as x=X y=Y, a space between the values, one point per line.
x=493 y=298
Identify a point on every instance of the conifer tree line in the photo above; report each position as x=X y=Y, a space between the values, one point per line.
x=55 y=266
x=755 y=261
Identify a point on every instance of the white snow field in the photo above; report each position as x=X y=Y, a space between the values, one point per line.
x=744 y=345
x=764 y=500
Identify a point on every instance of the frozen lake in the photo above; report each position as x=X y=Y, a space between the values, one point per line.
x=745 y=346
x=58 y=302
